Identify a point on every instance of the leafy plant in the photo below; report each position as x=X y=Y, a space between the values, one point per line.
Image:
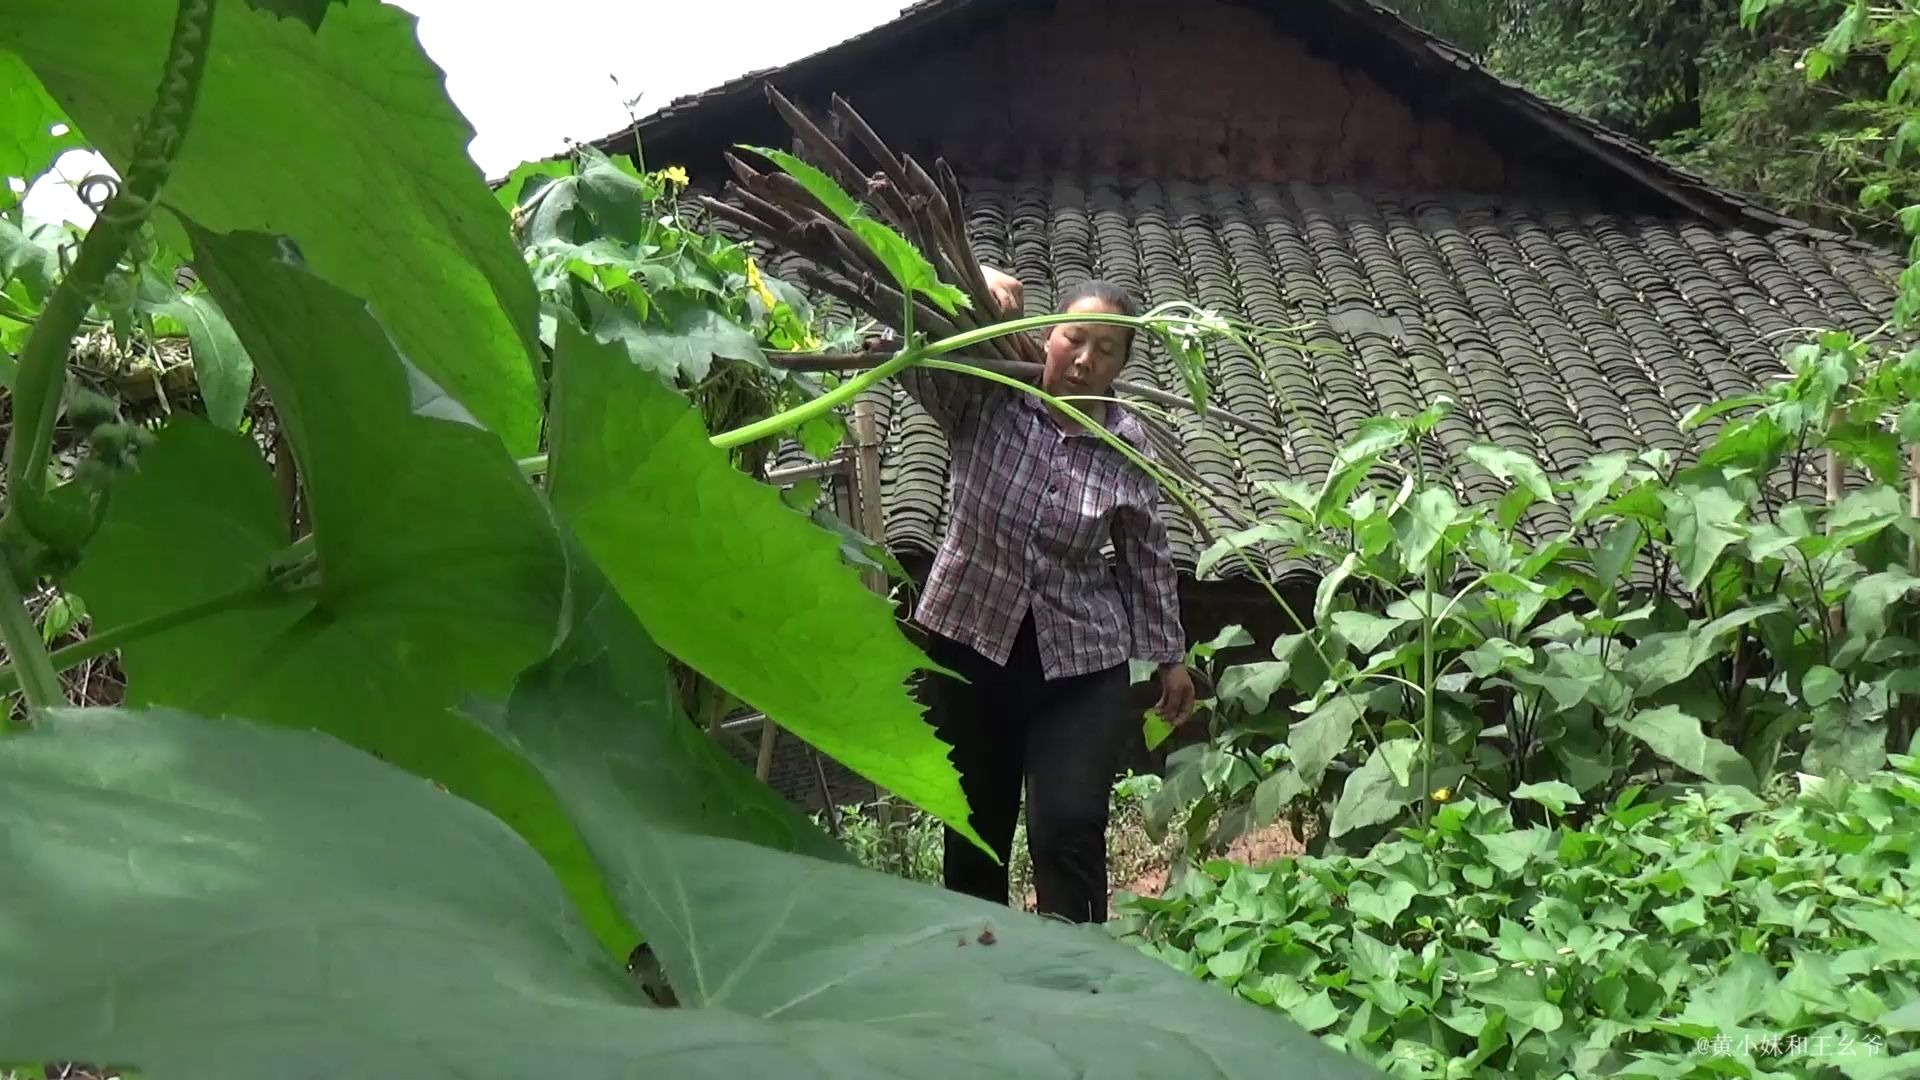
x=1723 y=619
x=1705 y=934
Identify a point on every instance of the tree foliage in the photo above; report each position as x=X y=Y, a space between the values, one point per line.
x=1783 y=100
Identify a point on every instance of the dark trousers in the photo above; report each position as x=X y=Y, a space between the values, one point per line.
x=1064 y=739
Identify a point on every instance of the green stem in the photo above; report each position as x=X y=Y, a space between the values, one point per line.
x=820 y=406
x=102 y=643
x=43 y=363
x=854 y=387
x=37 y=676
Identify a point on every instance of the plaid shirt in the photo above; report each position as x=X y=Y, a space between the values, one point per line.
x=1034 y=506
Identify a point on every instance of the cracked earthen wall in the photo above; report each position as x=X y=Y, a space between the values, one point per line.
x=1214 y=91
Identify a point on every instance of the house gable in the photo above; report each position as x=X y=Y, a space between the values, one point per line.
x=1198 y=91
x=1316 y=91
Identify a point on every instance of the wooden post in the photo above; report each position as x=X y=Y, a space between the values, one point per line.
x=769 y=734
x=866 y=483
x=1913 y=500
x=866 y=495
x=1836 y=615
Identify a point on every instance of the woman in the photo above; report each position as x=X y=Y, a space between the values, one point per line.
x=1024 y=607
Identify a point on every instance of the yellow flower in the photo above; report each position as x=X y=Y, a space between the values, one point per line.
x=759 y=285
x=675 y=176
x=1444 y=794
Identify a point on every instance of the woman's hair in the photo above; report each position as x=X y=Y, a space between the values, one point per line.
x=1108 y=294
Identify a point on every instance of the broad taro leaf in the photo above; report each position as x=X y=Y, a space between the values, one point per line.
x=210 y=900
x=440 y=572
x=28 y=118
x=728 y=579
x=342 y=138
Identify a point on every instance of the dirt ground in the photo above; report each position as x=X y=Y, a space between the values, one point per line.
x=1138 y=866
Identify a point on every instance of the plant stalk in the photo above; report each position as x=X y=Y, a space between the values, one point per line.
x=852 y=388
x=14 y=676
x=41 y=380
x=38 y=679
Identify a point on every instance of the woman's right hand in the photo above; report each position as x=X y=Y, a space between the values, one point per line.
x=1006 y=289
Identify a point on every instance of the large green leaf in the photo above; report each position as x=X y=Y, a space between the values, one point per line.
x=693 y=336
x=1421 y=525
x=1660 y=660
x=1677 y=737
x=28 y=261
x=1372 y=794
x=1704 y=522
x=1522 y=995
x=970 y=988
x=599 y=717
x=1516 y=467
x=1317 y=740
x=212 y=900
x=1249 y=687
x=343 y=139
x=440 y=572
x=727 y=578
x=28 y=118
x=221 y=366
x=1872 y=600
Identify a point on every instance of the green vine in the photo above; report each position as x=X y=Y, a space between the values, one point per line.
x=42 y=376
x=43 y=362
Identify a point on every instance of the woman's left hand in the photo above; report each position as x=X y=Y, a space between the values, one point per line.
x=1176 y=695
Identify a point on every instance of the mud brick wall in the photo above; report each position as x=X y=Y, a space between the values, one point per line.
x=1212 y=91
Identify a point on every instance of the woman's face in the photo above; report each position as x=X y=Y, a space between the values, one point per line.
x=1084 y=358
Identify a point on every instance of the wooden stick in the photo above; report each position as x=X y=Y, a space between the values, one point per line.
x=866 y=443
x=836 y=160
x=862 y=131
x=751 y=223
x=763 y=766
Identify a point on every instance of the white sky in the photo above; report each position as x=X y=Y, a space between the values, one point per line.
x=530 y=76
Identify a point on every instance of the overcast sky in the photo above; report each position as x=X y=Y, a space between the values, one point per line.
x=530 y=76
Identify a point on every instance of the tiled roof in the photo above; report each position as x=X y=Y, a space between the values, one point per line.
x=1557 y=330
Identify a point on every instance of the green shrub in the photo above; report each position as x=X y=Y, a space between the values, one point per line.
x=1707 y=933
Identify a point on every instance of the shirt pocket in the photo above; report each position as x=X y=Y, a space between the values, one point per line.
x=1078 y=515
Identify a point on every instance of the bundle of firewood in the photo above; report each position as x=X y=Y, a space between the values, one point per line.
x=778 y=210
